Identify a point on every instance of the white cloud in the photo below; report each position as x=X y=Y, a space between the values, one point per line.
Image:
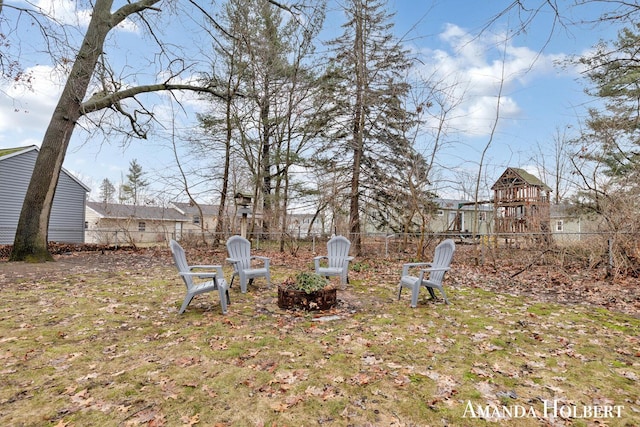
x=67 y=12
x=27 y=110
x=467 y=49
x=478 y=70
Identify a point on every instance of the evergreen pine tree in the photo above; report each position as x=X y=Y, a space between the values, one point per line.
x=133 y=189
x=369 y=86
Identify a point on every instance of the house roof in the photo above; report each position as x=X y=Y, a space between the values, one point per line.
x=301 y=215
x=7 y=153
x=191 y=209
x=118 y=211
x=511 y=176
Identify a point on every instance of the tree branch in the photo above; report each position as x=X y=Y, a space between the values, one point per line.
x=129 y=9
x=101 y=100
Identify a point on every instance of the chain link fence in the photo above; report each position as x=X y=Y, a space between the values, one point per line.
x=589 y=249
x=618 y=252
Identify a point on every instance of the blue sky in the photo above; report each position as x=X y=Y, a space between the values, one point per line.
x=537 y=96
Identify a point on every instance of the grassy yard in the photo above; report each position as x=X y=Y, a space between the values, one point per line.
x=95 y=339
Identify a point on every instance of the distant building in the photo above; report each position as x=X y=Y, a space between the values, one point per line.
x=202 y=219
x=199 y=218
x=111 y=223
x=66 y=223
x=461 y=217
x=301 y=226
x=568 y=226
x=565 y=227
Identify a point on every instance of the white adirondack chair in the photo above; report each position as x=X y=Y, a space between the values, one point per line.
x=240 y=257
x=436 y=269
x=336 y=262
x=188 y=272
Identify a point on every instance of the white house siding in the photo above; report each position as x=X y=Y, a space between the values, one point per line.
x=96 y=232
x=116 y=224
x=206 y=224
x=126 y=231
x=298 y=226
x=567 y=228
x=444 y=220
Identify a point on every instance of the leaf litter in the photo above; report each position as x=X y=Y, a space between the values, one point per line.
x=95 y=339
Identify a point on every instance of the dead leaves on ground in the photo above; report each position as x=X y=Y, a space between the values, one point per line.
x=139 y=361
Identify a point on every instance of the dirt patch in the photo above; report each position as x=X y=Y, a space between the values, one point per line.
x=82 y=262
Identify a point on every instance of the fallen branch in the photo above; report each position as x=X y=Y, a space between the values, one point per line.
x=529 y=266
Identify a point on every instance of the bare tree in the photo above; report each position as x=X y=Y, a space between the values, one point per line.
x=435 y=103
x=31 y=235
x=268 y=61
x=554 y=165
x=220 y=123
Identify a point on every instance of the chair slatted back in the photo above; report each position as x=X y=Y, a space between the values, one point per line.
x=442 y=258
x=180 y=259
x=240 y=248
x=337 y=251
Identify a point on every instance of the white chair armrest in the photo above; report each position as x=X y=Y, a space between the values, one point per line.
x=407 y=266
x=436 y=269
x=207 y=267
x=347 y=260
x=316 y=260
x=198 y=273
x=204 y=274
x=264 y=259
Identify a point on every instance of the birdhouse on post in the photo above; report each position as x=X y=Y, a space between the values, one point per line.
x=243 y=201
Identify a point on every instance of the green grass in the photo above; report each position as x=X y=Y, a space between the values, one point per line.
x=109 y=349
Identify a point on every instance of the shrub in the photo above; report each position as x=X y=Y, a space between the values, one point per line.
x=306 y=282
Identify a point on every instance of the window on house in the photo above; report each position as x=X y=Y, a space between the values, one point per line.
x=196 y=219
x=440 y=212
x=560 y=225
x=142 y=226
x=86 y=225
x=482 y=216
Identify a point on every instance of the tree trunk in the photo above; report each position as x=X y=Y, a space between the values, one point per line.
x=358 y=142
x=266 y=162
x=31 y=239
x=220 y=229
